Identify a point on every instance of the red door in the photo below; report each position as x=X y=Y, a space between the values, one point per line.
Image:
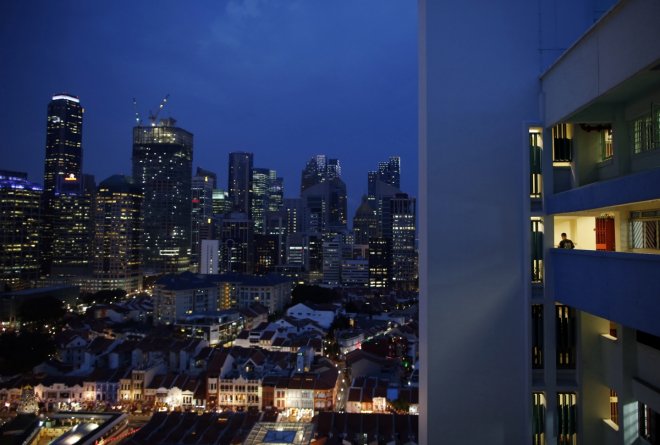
x=605 y=233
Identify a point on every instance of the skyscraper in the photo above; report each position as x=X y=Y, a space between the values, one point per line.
x=240 y=181
x=237 y=243
x=365 y=222
x=203 y=184
x=314 y=172
x=162 y=167
x=63 y=162
x=20 y=202
x=71 y=214
x=259 y=196
x=67 y=224
x=388 y=172
x=400 y=227
x=118 y=239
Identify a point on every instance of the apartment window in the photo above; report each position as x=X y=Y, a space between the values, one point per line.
x=645 y=229
x=649 y=421
x=537 y=336
x=538 y=418
x=535 y=160
x=566 y=342
x=606 y=147
x=566 y=418
x=645 y=132
x=562 y=143
x=537 y=249
x=614 y=407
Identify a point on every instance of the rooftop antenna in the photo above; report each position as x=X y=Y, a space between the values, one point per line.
x=154 y=116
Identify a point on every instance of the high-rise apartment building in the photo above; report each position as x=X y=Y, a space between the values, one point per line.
x=162 y=167
x=20 y=203
x=240 y=181
x=563 y=344
x=118 y=240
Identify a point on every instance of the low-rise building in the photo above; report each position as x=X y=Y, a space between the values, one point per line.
x=323 y=314
x=216 y=328
x=179 y=295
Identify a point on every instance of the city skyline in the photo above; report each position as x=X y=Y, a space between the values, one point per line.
x=331 y=89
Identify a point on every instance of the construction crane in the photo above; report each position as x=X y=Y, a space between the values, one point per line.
x=154 y=116
x=138 y=121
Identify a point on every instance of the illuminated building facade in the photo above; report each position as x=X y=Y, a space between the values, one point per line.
x=564 y=344
x=259 y=195
x=162 y=167
x=20 y=202
x=72 y=218
x=63 y=143
x=380 y=262
x=400 y=227
x=118 y=240
x=64 y=189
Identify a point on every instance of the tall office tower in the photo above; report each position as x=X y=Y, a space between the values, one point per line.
x=400 y=227
x=295 y=214
x=275 y=192
x=202 y=224
x=162 y=166
x=562 y=345
x=365 y=222
x=20 y=202
x=332 y=259
x=72 y=216
x=266 y=253
x=259 y=196
x=333 y=169
x=118 y=241
x=380 y=262
x=240 y=181
x=388 y=172
x=221 y=203
x=314 y=172
x=63 y=144
x=62 y=167
x=237 y=243
x=325 y=207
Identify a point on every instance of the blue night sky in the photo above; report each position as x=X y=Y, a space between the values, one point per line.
x=284 y=79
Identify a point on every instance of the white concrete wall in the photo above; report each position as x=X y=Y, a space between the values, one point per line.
x=480 y=63
x=623 y=43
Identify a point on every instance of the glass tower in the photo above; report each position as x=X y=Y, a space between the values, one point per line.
x=162 y=167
